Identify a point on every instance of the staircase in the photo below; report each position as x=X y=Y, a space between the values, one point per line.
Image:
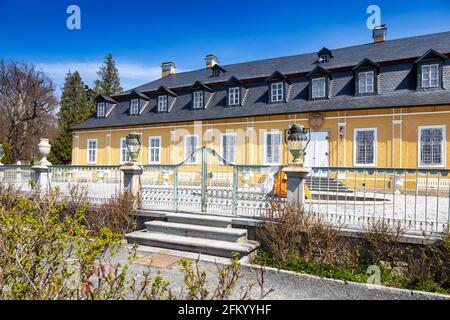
x=203 y=234
x=326 y=185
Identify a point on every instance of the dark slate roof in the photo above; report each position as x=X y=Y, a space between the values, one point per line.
x=396 y=85
x=413 y=47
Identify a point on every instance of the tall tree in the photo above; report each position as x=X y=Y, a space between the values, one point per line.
x=27 y=105
x=109 y=83
x=76 y=106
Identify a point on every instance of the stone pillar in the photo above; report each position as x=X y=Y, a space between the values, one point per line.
x=131 y=179
x=296 y=184
x=41 y=178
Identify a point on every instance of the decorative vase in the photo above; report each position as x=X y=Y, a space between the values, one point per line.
x=44 y=148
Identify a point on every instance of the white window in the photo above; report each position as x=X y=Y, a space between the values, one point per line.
x=198 y=100
x=272 y=148
x=324 y=58
x=154 y=150
x=430 y=76
x=318 y=88
x=234 y=98
x=229 y=147
x=365 y=150
x=92 y=151
x=365 y=82
x=432 y=146
x=134 y=106
x=101 y=109
x=162 y=103
x=277 y=92
x=124 y=156
x=191 y=145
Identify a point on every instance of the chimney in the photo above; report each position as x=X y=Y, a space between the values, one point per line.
x=168 y=68
x=379 y=33
x=211 y=60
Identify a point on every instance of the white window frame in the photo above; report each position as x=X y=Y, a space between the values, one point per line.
x=429 y=80
x=375 y=146
x=163 y=103
x=186 y=155
x=315 y=95
x=198 y=99
x=443 y=146
x=88 y=151
x=101 y=106
x=234 y=96
x=134 y=106
x=150 y=148
x=280 y=151
x=277 y=92
x=367 y=75
x=324 y=58
x=122 y=147
x=222 y=146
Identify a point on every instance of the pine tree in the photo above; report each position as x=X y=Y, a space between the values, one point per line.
x=109 y=83
x=77 y=105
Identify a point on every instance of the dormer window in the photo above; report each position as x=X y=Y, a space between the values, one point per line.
x=216 y=73
x=318 y=88
x=277 y=92
x=198 y=100
x=101 y=109
x=365 y=82
x=324 y=58
x=319 y=83
x=324 y=55
x=134 y=106
x=430 y=70
x=234 y=96
x=430 y=76
x=162 y=103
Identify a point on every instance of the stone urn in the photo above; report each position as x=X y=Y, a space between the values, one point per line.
x=44 y=148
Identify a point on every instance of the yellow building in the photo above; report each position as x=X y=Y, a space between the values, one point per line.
x=380 y=105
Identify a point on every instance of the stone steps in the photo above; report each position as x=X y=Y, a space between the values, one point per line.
x=197 y=231
x=198 y=245
x=203 y=234
x=198 y=219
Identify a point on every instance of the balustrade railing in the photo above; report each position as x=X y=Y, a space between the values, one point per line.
x=417 y=199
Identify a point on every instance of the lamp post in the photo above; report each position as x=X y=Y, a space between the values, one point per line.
x=132 y=170
x=297 y=138
x=133 y=142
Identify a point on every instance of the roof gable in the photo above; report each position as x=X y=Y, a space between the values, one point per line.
x=319 y=71
x=325 y=51
x=103 y=98
x=136 y=94
x=163 y=90
x=367 y=63
x=277 y=76
x=431 y=55
x=200 y=86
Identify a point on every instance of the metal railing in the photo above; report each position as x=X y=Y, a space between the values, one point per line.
x=19 y=176
x=99 y=183
x=417 y=199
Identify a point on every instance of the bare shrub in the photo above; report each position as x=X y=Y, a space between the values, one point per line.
x=384 y=243
x=431 y=262
x=9 y=195
x=289 y=230
x=117 y=214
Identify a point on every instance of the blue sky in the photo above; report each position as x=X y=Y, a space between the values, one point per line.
x=142 y=34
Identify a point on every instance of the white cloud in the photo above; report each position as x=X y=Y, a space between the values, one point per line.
x=131 y=74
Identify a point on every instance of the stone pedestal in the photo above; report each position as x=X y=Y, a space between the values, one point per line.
x=296 y=184
x=131 y=178
x=41 y=178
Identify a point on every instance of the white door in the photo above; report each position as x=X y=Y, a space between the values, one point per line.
x=317 y=151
